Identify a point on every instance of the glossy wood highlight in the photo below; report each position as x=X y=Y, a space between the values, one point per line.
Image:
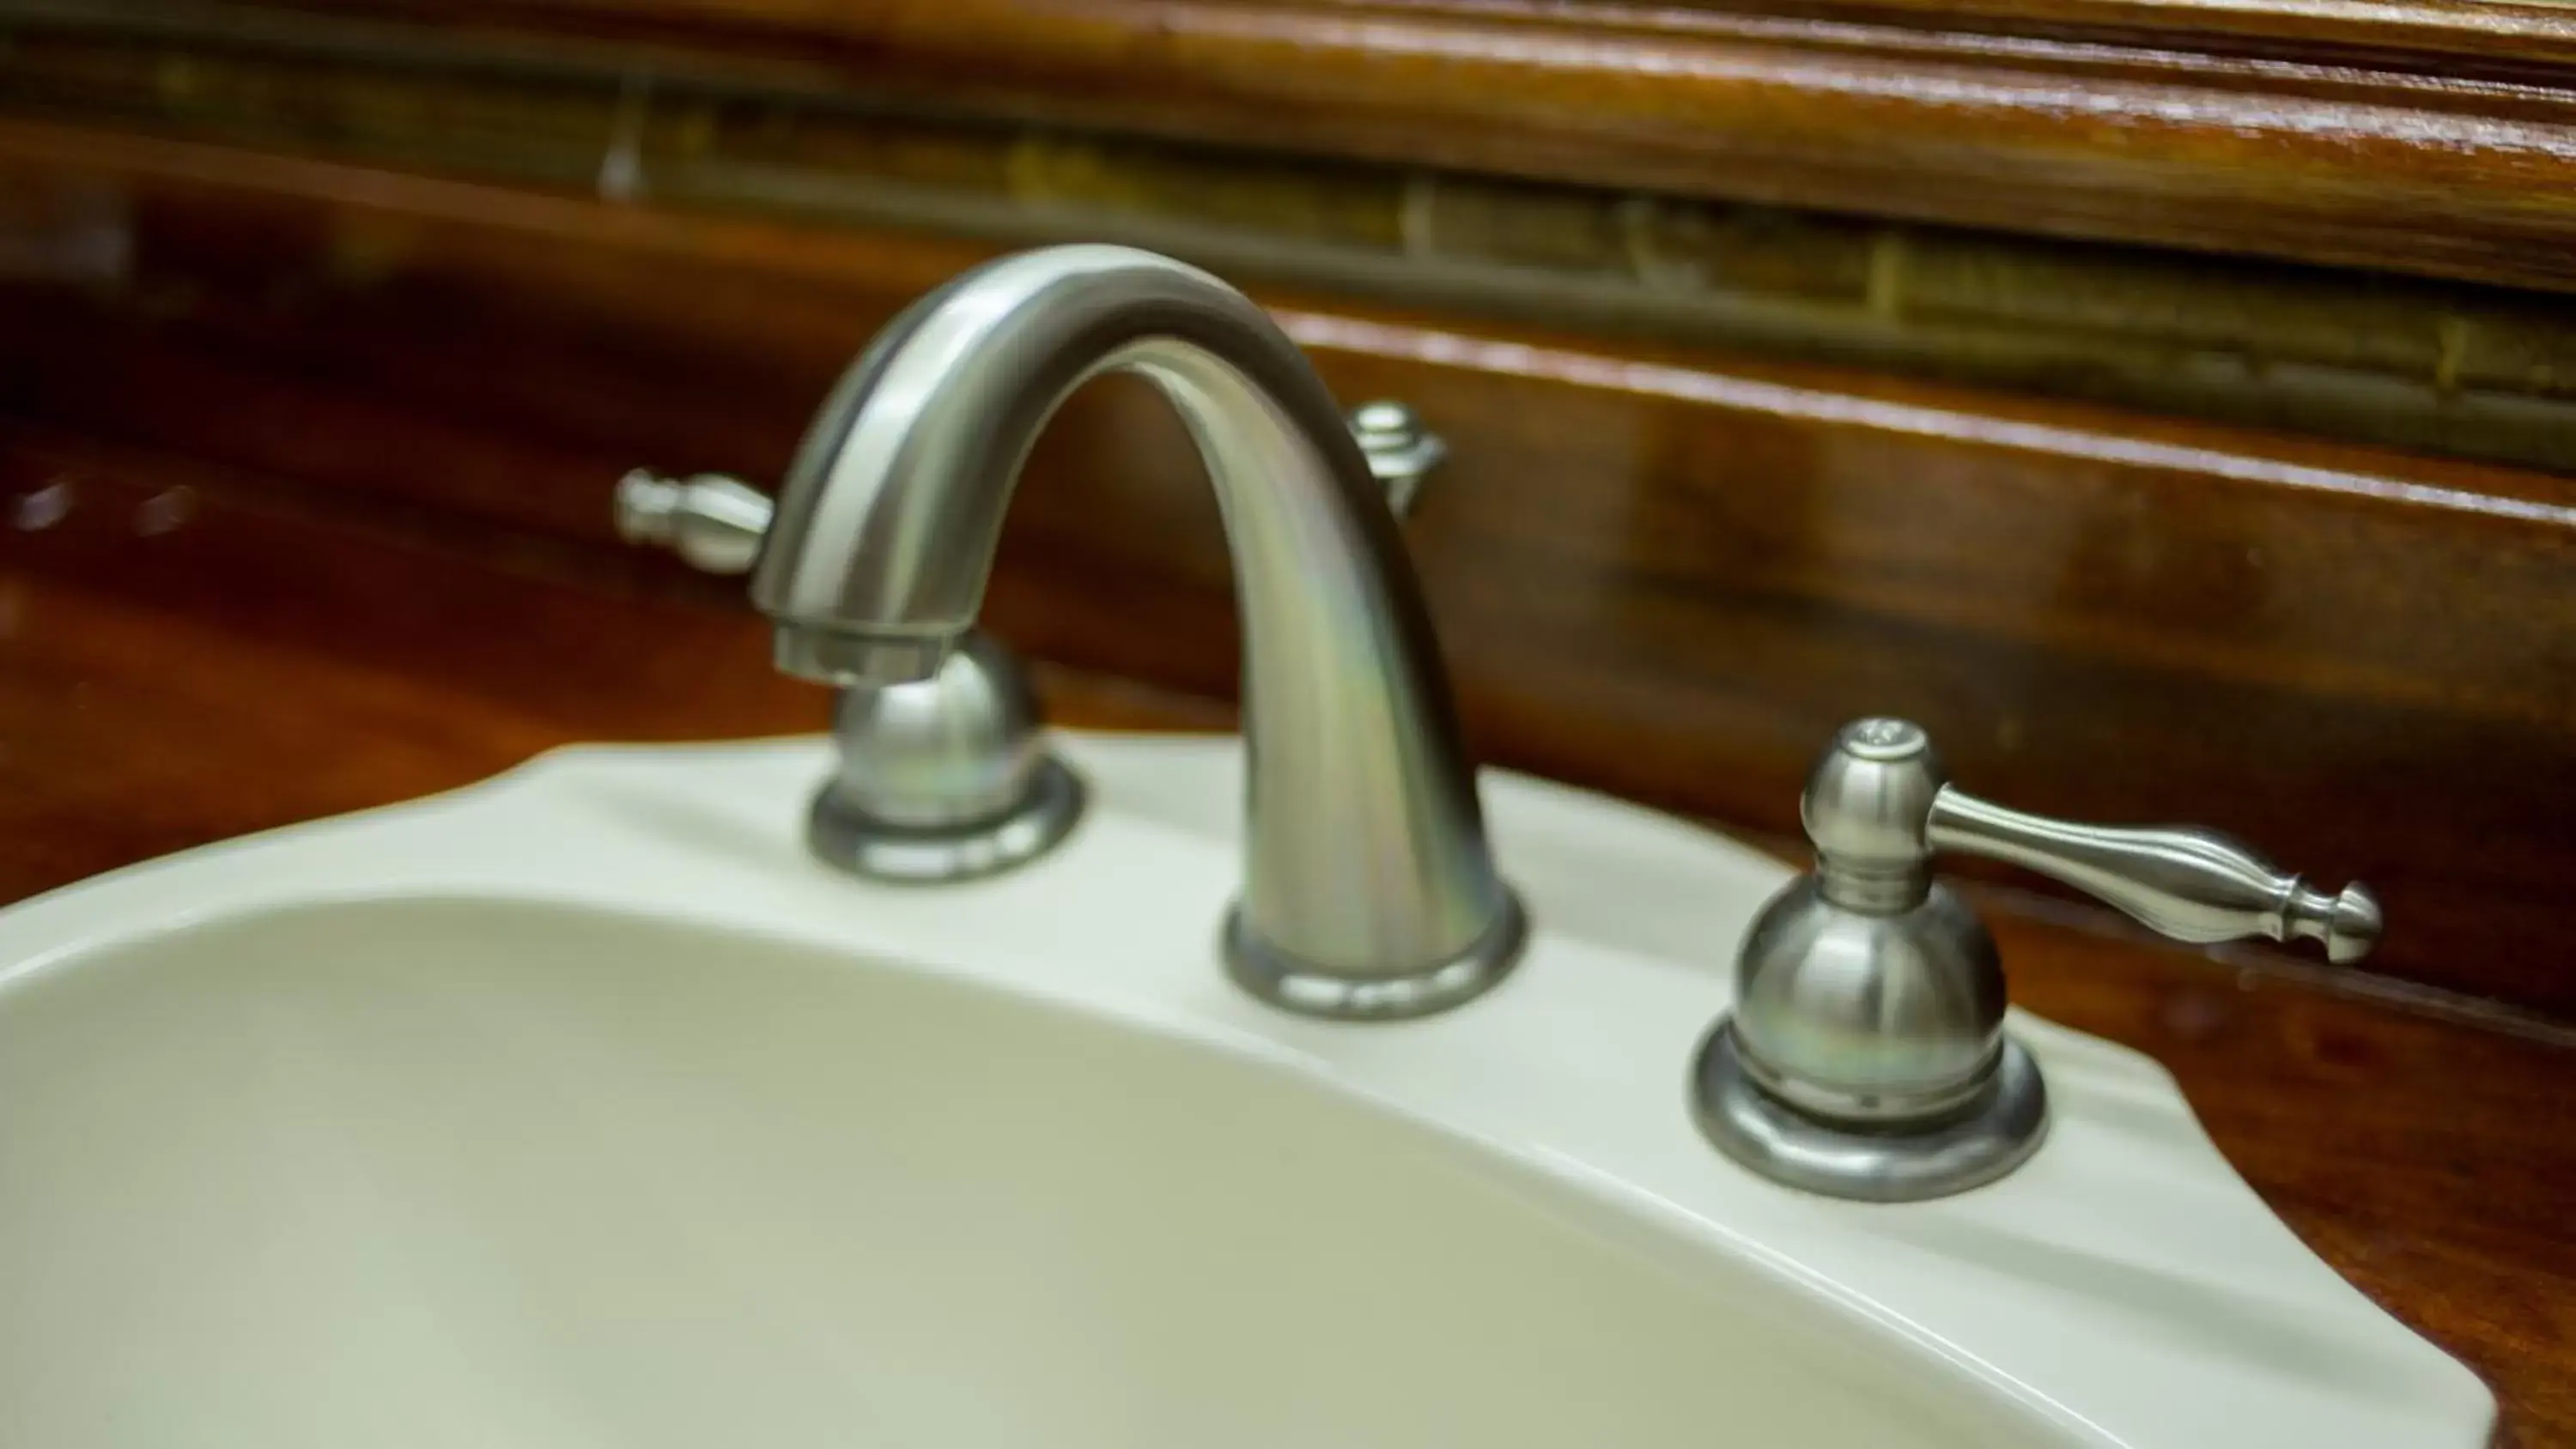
x=2430 y=138
x=187 y=652
x=1669 y=575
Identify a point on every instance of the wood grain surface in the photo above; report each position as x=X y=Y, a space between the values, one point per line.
x=2434 y=138
x=188 y=651
x=1669 y=575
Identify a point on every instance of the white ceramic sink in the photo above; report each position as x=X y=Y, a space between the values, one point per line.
x=582 y=1109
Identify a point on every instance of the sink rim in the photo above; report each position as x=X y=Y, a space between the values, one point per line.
x=707 y=834
x=274 y=943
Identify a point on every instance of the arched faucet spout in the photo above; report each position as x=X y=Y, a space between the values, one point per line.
x=1369 y=889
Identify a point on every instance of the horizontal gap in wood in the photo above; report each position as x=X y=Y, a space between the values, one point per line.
x=2437 y=151
x=2445 y=368
x=1658 y=571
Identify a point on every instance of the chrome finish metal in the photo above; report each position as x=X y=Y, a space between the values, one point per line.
x=1365 y=857
x=1866 y=1056
x=958 y=747
x=1276 y=977
x=840 y=834
x=1401 y=452
x=943 y=779
x=910 y=856
x=829 y=655
x=1989 y=1135
x=2192 y=885
x=1869 y=1016
x=713 y=521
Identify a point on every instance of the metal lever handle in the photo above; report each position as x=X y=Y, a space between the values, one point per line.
x=1880 y=804
x=712 y=520
x=1866 y=1056
x=2192 y=885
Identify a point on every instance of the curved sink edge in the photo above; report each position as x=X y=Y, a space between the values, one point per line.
x=1902 y=1267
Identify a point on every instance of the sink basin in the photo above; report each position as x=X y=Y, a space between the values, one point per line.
x=582 y=1109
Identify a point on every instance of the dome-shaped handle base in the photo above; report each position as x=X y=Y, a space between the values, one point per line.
x=1989 y=1136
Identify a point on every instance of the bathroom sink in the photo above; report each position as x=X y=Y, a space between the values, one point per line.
x=582 y=1108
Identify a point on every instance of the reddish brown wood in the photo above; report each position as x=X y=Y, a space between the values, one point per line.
x=2355 y=1123
x=2470 y=36
x=2427 y=137
x=186 y=653
x=2480 y=36
x=184 y=659
x=1669 y=575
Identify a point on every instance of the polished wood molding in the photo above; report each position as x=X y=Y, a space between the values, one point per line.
x=189 y=651
x=2435 y=138
x=1665 y=573
x=2453 y=368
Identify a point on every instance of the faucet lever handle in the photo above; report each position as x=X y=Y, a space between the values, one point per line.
x=1880 y=804
x=713 y=520
x=2191 y=884
x=1866 y=1056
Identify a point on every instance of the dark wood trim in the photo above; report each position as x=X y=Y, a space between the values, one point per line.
x=2458 y=369
x=2468 y=39
x=1663 y=572
x=2438 y=139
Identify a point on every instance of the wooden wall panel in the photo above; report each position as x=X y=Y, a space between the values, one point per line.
x=2438 y=138
x=1668 y=575
x=2453 y=368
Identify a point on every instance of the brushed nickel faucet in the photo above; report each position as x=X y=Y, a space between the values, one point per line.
x=1866 y=1056
x=1369 y=890
x=949 y=778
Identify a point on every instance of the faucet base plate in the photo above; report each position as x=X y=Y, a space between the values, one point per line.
x=1292 y=985
x=1996 y=1132
x=926 y=855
